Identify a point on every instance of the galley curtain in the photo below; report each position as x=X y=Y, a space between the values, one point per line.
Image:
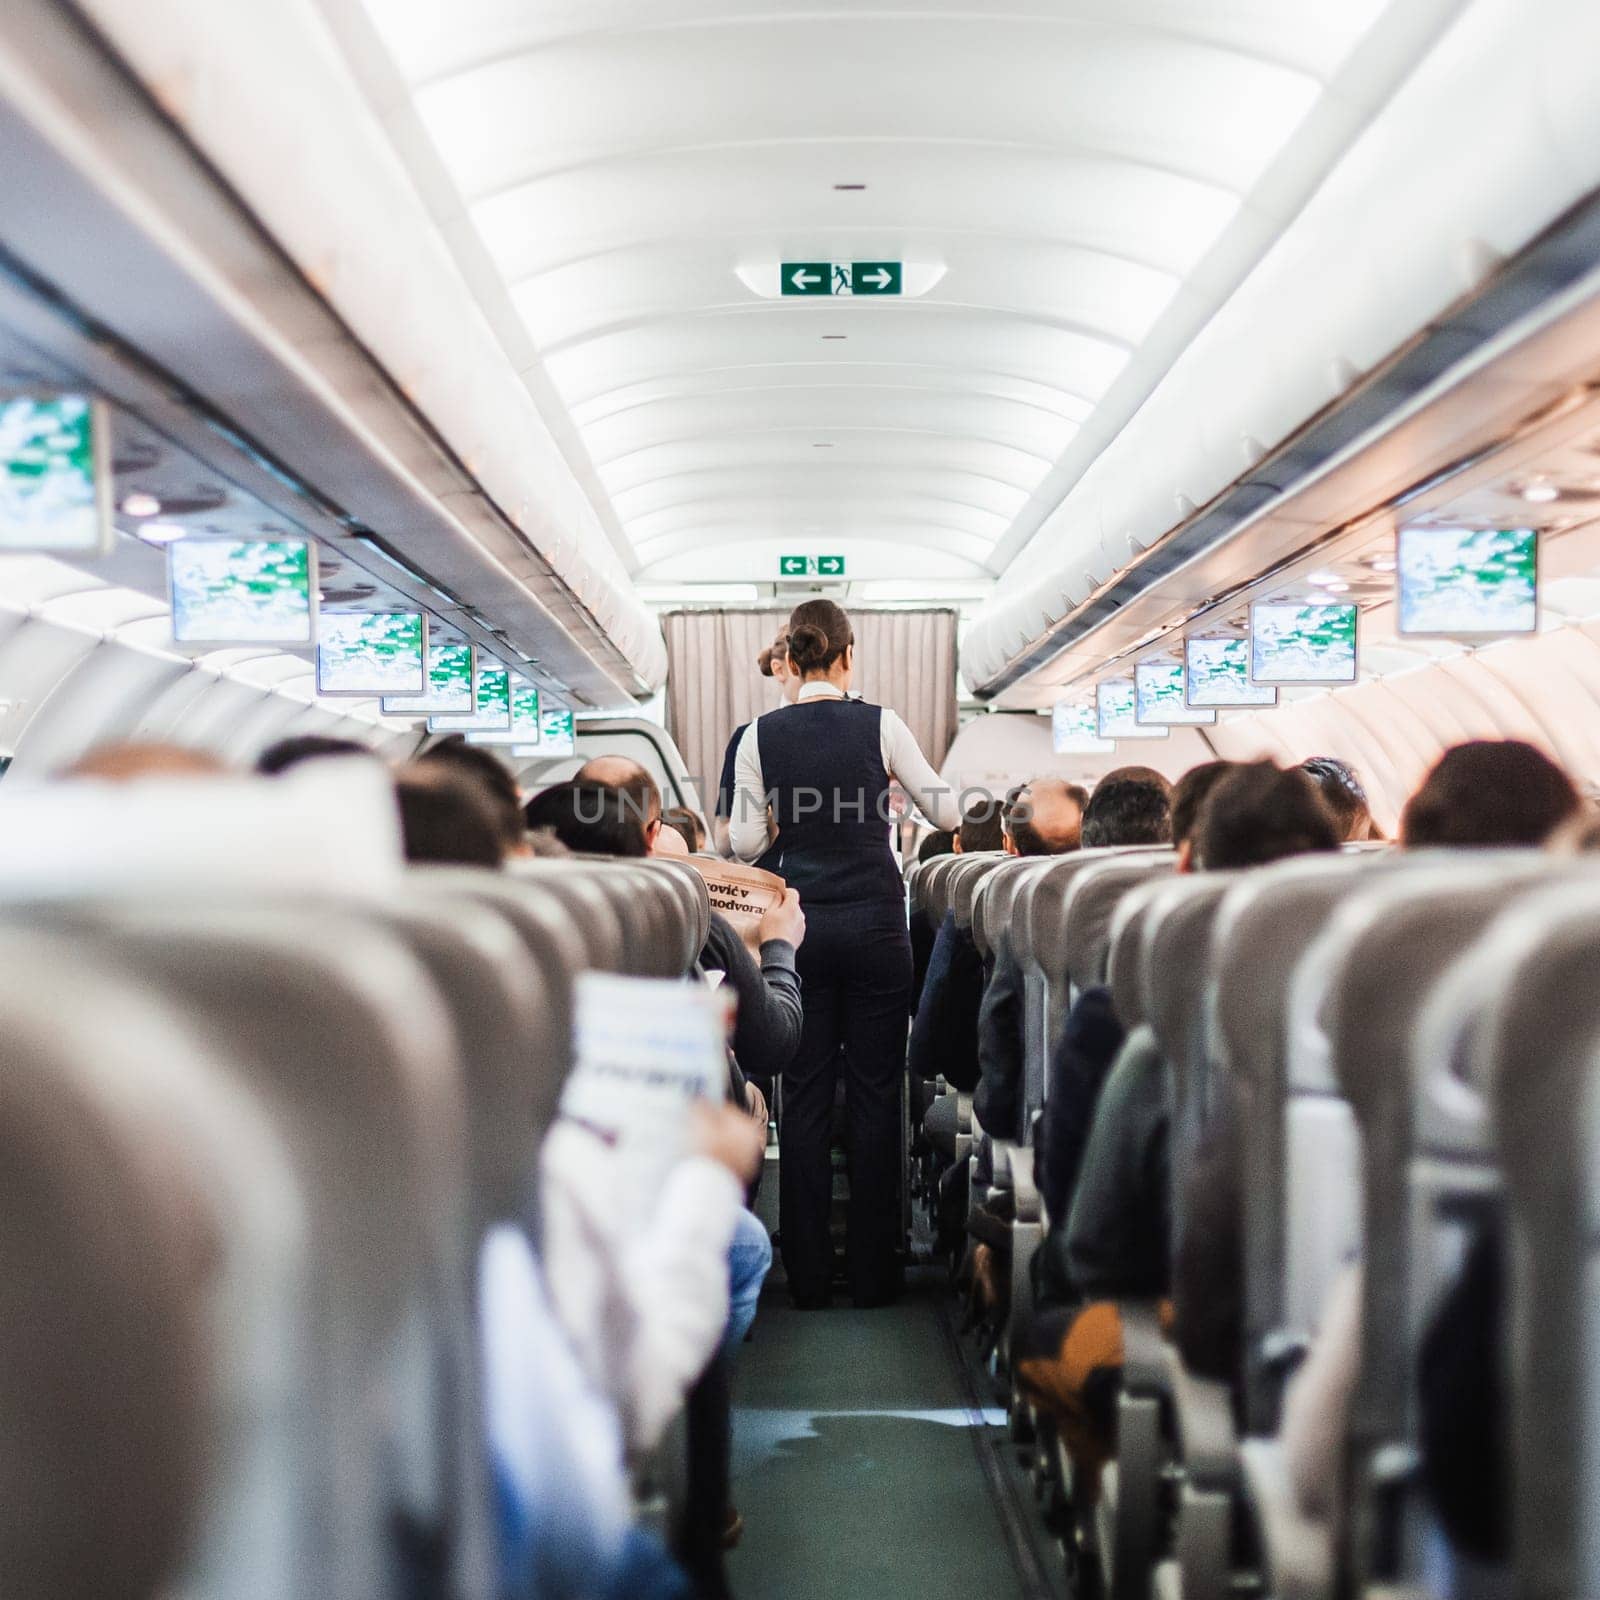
x=904 y=659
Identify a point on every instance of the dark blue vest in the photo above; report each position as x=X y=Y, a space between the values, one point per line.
x=822 y=761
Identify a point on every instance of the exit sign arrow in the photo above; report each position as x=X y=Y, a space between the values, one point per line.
x=807 y=277
x=875 y=277
x=830 y=566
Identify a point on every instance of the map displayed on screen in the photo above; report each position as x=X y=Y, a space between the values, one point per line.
x=1217 y=673
x=449 y=683
x=372 y=652
x=241 y=591
x=1075 y=730
x=1468 y=582
x=525 y=724
x=54 y=485
x=1313 y=642
x=1159 y=698
x=1117 y=713
x=557 y=732
x=494 y=706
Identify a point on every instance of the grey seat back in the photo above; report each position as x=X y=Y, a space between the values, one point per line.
x=149 y=1239
x=360 y=1077
x=1262 y=929
x=935 y=886
x=976 y=870
x=694 y=898
x=996 y=903
x=1383 y=953
x=593 y=914
x=1536 y=1058
x=1091 y=902
x=1135 y=916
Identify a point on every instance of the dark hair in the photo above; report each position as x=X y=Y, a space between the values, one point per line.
x=682 y=820
x=1491 y=791
x=1262 y=812
x=640 y=792
x=819 y=633
x=1125 y=810
x=489 y=772
x=1023 y=822
x=938 y=843
x=592 y=818
x=291 y=752
x=1342 y=792
x=447 y=816
x=981 y=828
x=1189 y=794
x=1137 y=775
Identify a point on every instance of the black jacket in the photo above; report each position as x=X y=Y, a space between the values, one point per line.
x=766 y=1030
x=1090 y=1040
x=944 y=1037
x=997 y=1103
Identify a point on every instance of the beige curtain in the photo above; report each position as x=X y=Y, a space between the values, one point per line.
x=904 y=659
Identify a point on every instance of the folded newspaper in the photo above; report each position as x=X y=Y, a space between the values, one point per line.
x=744 y=895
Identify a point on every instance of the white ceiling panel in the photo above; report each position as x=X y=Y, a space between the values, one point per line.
x=1057 y=170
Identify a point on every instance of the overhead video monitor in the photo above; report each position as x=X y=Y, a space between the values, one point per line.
x=525 y=725
x=1075 y=731
x=449 y=683
x=242 y=591
x=558 y=734
x=372 y=652
x=1468 y=583
x=1310 y=642
x=1158 y=696
x=1117 y=712
x=55 y=473
x=493 y=713
x=1216 y=672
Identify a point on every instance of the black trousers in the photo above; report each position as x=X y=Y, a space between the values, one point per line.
x=855 y=977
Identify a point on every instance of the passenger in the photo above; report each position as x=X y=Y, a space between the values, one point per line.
x=688 y=826
x=288 y=753
x=640 y=793
x=937 y=842
x=773 y=662
x=446 y=816
x=1129 y=806
x=1345 y=796
x=127 y=763
x=1116 y=1244
x=1490 y=792
x=983 y=828
x=822 y=768
x=589 y=818
x=487 y=769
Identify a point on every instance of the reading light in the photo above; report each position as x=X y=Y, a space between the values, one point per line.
x=1540 y=494
x=1383 y=563
x=140 y=504
x=1327 y=580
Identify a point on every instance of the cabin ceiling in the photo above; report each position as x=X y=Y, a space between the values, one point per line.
x=1058 y=175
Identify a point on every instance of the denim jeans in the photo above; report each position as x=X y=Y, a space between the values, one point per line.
x=749 y=1261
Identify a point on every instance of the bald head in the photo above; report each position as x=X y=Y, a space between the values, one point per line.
x=127 y=763
x=1047 y=819
x=640 y=795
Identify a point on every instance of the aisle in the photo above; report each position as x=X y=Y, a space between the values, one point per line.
x=859 y=1462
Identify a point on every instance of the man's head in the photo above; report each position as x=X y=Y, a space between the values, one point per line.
x=1125 y=809
x=492 y=775
x=591 y=818
x=1046 y=817
x=447 y=816
x=637 y=788
x=288 y=753
x=127 y=763
x=1259 y=812
x=1490 y=792
x=1343 y=794
x=1188 y=795
x=981 y=828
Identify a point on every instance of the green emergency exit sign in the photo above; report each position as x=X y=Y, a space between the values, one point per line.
x=810 y=566
x=825 y=278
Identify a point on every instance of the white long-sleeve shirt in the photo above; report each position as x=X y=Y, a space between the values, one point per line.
x=644 y=1302
x=750 y=830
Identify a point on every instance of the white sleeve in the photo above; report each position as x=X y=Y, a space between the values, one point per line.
x=749 y=828
x=906 y=763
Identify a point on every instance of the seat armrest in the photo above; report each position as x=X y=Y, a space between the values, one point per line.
x=1020 y=1165
x=1203 y=1411
x=1297 y=1550
x=963 y=1113
x=1144 y=1348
